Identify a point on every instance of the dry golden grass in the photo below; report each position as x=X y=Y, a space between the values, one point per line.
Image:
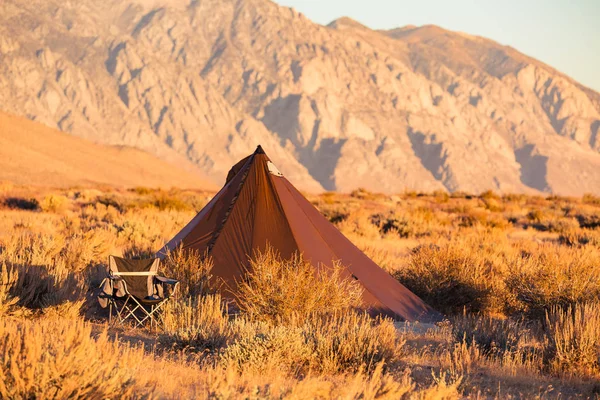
x=517 y=275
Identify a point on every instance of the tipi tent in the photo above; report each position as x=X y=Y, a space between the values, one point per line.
x=259 y=207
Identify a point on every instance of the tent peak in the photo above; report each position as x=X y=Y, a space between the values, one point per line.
x=259 y=150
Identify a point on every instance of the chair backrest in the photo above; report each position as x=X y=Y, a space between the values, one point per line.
x=137 y=274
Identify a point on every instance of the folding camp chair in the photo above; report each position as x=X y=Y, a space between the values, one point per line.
x=134 y=290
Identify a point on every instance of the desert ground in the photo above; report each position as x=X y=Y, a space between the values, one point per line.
x=517 y=276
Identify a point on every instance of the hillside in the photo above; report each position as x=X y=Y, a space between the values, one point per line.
x=337 y=107
x=33 y=154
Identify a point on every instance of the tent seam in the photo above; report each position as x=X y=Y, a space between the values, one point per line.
x=217 y=234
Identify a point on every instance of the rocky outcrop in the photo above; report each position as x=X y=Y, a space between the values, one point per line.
x=337 y=107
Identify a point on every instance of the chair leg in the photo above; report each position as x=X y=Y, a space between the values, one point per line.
x=131 y=308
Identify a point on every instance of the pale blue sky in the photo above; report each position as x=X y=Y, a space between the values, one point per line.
x=564 y=34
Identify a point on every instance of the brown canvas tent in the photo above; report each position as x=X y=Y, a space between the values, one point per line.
x=259 y=207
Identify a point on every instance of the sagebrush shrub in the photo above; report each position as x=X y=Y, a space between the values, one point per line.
x=573 y=335
x=8 y=280
x=449 y=278
x=55 y=359
x=351 y=341
x=196 y=322
x=192 y=269
x=55 y=203
x=262 y=347
x=344 y=342
x=281 y=290
x=553 y=276
x=44 y=277
x=494 y=335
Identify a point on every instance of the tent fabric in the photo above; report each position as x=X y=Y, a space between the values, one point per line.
x=258 y=207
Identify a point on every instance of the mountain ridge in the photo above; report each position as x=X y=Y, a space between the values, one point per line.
x=336 y=107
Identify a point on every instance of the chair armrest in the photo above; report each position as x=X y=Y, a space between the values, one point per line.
x=165 y=287
x=111 y=287
x=168 y=281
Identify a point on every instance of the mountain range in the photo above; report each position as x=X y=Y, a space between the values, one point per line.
x=200 y=83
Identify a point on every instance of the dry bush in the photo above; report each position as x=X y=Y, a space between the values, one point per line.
x=44 y=278
x=324 y=344
x=448 y=277
x=8 y=281
x=193 y=270
x=262 y=348
x=281 y=290
x=359 y=223
x=550 y=220
x=364 y=194
x=82 y=250
x=510 y=344
x=170 y=201
x=18 y=203
x=230 y=383
x=441 y=196
x=495 y=336
x=351 y=341
x=493 y=204
x=543 y=276
x=477 y=217
x=384 y=253
x=463 y=357
x=55 y=203
x=68 y=310
x=43 y=286
x=580 y=237
x=589 y=198
x=59 y=359
x=574 y=339
x=196 y=322
x=489 y=195
x=143 y=231
x=589 y=220
x=54 y=359
x=31 y=249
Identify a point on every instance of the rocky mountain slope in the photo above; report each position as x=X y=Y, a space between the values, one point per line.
x=336 y=107
x=33 y=154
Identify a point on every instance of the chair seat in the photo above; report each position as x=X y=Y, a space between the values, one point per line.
x=150 y=300
x=135 y=290
x=144 y=300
